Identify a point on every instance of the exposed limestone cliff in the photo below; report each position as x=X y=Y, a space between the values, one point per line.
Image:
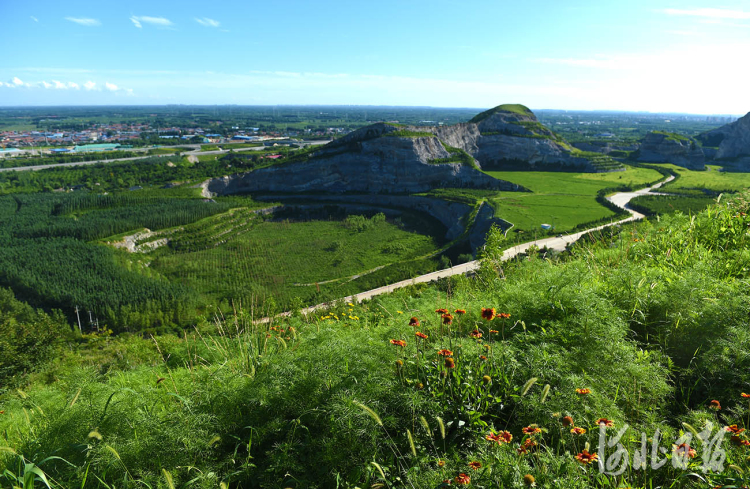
x=663 y=147
x=733 y=140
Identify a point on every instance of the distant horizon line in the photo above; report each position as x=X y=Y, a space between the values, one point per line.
x=6 y=107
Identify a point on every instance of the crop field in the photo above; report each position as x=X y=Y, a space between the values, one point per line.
x=254 y=260
x=668 y=204
x=564 y=200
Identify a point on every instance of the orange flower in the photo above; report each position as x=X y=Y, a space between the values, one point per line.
x=684 y=450
x=445 y=353
x=734 y=429
x=714 y=405
x=586 y=458
x=578 y=431
x=421 y=335
x=476 y=334
x=606 y=422
x=503 y=315
x=441 y=463
x=482 y=357
x=447 y=318
x=462 y=479
x=460 y=311
x=745 y=395
x=736 y=440
x=450 y=363
x=488 y=313
x=413 y=322
x=494 y=331
x=441 y=311
x=400 y=343
x=567 y=421
x=475 y=465
x=527 y=446
x=531 y=430
x=583 y=392
x=500 y=438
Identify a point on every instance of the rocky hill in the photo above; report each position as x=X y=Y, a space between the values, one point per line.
x=732 y=140
x=393 y=158
x=665 y=147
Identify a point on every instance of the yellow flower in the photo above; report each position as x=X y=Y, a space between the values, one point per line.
x=400 y=312
x=350 y=304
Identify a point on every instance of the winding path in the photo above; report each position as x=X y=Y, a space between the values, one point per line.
x=621 y=200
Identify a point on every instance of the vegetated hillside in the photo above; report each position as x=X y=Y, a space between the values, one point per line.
x=642 y=327
x=732 y=140
x=667 y=147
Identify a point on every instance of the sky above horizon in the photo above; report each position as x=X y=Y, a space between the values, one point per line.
x=641 y=55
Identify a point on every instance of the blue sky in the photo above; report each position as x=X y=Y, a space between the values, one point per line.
x=636 y=55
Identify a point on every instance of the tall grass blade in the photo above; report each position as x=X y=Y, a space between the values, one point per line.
x=441 y=425
x=545 y=393
x=411 y=443
x=380 y=469
x=168 y=478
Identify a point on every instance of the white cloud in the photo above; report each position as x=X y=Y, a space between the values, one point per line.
x=138 y=21
x=45 y=84
x=17 y=81
x=84 y=21
x=89 y=85
x=59 y=85
x=710 y=13
x=73 y=85
x=111 y=87
x=208 y=22
x=34 y=19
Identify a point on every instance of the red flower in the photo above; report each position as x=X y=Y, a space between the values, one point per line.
x=494 y=331
x=606 y=422
x=413 y=322
x=475 y=465
x=460 y=311
x=745 y=395
x=567 y=421
x=578 y=431
x=714 y=405
x=450 y=363
x=476 y=334
x=499 y=438
x=736 y=440
x=447 y=319
x=400 y=343
x=421 y=335
x=441 y=311
x=488 y=313
x=684 y=450
x=462 y=479
x=583 y=392
x=445 y=353
x=503 y=315
x=482 y=357
x=586 y=458
x=531 y=430
x=734 y=429
x=527 y=446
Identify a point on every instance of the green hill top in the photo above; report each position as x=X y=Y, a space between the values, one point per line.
x=512 y=108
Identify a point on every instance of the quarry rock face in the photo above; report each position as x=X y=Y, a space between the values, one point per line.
x=733 y=140
x=667 y=148
x=386 y=165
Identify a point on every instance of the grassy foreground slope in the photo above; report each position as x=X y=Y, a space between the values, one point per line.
x=650 y=324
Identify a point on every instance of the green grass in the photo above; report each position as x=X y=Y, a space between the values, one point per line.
x=512 y=108
x=671 y=136
x=243 y=257
x=651 y=319
x=669 y=204
x=405 y=133
x=564 y=200
x=712 y=179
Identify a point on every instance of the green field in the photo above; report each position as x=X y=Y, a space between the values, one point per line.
x=711 y=179
x=246 y=258
x=564 y=200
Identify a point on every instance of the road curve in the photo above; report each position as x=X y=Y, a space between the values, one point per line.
x=620 y=199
